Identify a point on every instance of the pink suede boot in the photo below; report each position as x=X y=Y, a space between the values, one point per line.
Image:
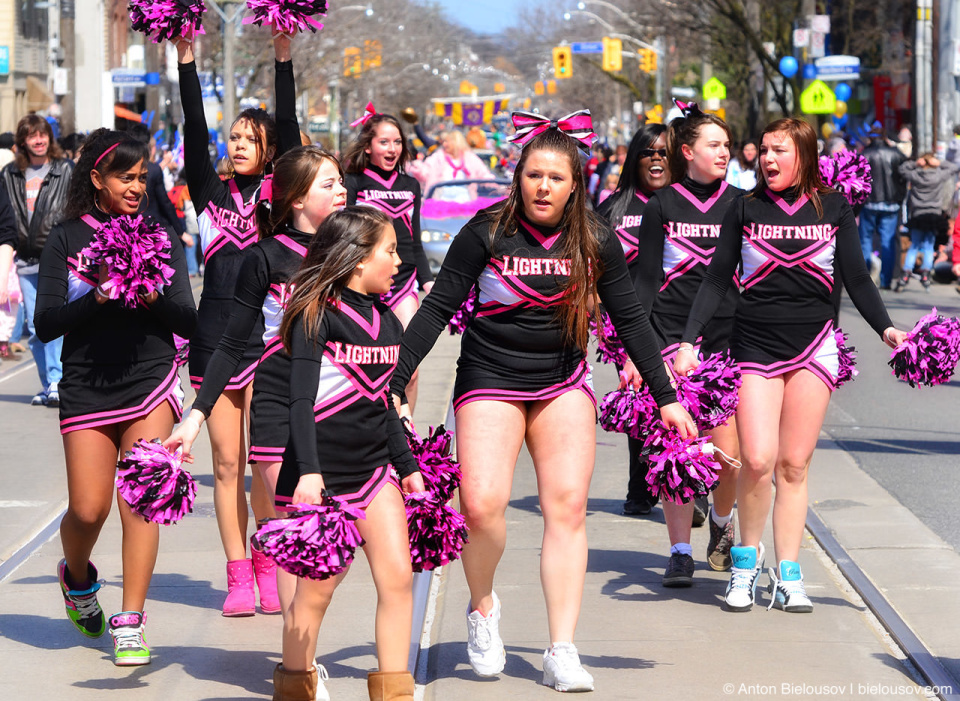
x=240 y=598
x=266 y=571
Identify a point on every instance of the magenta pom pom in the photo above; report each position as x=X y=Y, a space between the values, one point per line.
x=680 y=470
x=849 y=173
x=136 y=252
x=847 y=357
x=629 y=411
x=437 y=531
x=167 y=19
x=609 y=347
x=183 y=349
x=151 y=480
x=466 y=312
x=930 y=352
x=316 y=542
x=286 y=16
x=711 y=392
x=440 y=472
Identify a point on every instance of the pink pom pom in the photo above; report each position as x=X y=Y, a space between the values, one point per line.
x=315 y=542
x=466 y=312
x=930 y=353
x=183 y=350
x=286 y=16
x=136 y=252
x=680 y=470
x=849 y=173
x=440 y=471
x=151 y=480
x=711 y=392
x=609 y=347
x=167 y=19
x=847 y=357
x=437 y=532
x=629 y=411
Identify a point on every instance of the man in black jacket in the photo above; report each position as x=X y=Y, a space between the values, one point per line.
x=882 y=210
x=37 y=182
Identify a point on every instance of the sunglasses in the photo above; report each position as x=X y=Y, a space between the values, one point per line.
x=651 y=152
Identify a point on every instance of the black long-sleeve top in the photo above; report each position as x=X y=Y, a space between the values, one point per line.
x=8 y=219
x=261 y=292
x=791 y=261
x=398 y=195
x=628 y=228
x=520 y=279
x=109 y=333
x=342 y=421
x=680 y=229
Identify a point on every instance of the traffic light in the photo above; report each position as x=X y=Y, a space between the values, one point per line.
x=352 y=61
x=562 y=62
x=648 y=60
x=612 y=54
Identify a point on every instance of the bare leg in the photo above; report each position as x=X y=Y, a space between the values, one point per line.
x=286 y=582
x=301 y=624
x=725 y=495
x=225 y=426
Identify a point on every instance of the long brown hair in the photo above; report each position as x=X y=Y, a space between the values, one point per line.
x=358 y=160
x=27 y=127
x=344 y=239
x=264 y=135
x=684 y=131
x=805 y=140
x=293 y=176
x=581 y=235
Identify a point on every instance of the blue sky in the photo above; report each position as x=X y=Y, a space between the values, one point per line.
x=488 y=16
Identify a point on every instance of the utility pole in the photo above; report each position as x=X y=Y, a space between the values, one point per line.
x=229 y=87
x=923 y=138
x=69 y=46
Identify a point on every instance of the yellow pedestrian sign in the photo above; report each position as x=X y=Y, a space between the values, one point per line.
x=818 y=98
x=713 y=89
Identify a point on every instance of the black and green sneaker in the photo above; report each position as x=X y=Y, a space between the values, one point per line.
x=129 y=647
x=82 y=606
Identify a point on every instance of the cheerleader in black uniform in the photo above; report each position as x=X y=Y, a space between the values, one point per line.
x=344 y=436
x=120 y=382
x=375 y=177
x=540 y=260
x=794 y=239
x=644 y=172
x=677 y=237
x=307 y=186
x=228 y=227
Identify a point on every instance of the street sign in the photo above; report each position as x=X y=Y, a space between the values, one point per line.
x=714 y=89
x=587 y=47
x=838 y=67
x=128 y=77
x=818 y=98
x=801 y=37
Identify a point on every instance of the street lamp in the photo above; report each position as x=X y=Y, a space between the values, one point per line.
x=582 y=5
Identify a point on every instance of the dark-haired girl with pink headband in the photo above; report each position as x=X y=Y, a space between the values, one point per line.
x=375 y=176
x=540 y=261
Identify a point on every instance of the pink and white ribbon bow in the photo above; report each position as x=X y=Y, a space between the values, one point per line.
x=688 y=109
x=266 y=188
x=577 y=125
x=368 y=112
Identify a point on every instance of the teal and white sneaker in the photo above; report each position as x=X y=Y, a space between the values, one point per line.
x=786 y=591
x=83 y=609
x=129 y=647
x=746 y=565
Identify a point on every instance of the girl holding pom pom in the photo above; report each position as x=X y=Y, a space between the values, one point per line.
x=343 y=342
x=227 y=228
x=120 y=380
x=793 y=238
x=307 y=187
x=375 y=177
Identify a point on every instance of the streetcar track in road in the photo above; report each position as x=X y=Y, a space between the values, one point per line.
x=33 y=544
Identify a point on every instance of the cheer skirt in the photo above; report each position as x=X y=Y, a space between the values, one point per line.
x=770 y=350
x=357 y=490
x=404 y=285
x=669 y=330
x=213 y=317
x=477 y=382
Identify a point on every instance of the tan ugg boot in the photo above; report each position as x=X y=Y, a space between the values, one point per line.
x=295 y=686
x=390 y=686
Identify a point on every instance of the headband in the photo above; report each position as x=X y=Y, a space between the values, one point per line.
x=100 y=157
x=368 y=112
x=577 y=125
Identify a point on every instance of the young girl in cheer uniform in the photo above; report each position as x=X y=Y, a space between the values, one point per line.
x=794 y=238
x=120 y=382
x=540 y=260
x=676 y=241
x=307 y=186
x=645 y=171
x=344 y=436
x=375 y=177
x=228 y=227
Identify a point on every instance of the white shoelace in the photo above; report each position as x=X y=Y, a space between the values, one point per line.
x=87 y=606
x=482 y=637
x=321 y=672
x=128 y=637
x=794 y=587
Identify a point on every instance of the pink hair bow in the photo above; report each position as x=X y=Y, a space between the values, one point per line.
x=688 y=109
x=368 y=112
x=266 y=189
x=577 y=125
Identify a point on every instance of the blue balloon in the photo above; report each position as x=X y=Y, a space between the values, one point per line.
x=809 y=71
x=843 y=91
x=788 y=66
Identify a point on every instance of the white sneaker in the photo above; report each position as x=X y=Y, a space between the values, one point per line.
x=484 y=646
x=786 y=590
x=562 y=669
x=322 y=676
x=747 y=563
